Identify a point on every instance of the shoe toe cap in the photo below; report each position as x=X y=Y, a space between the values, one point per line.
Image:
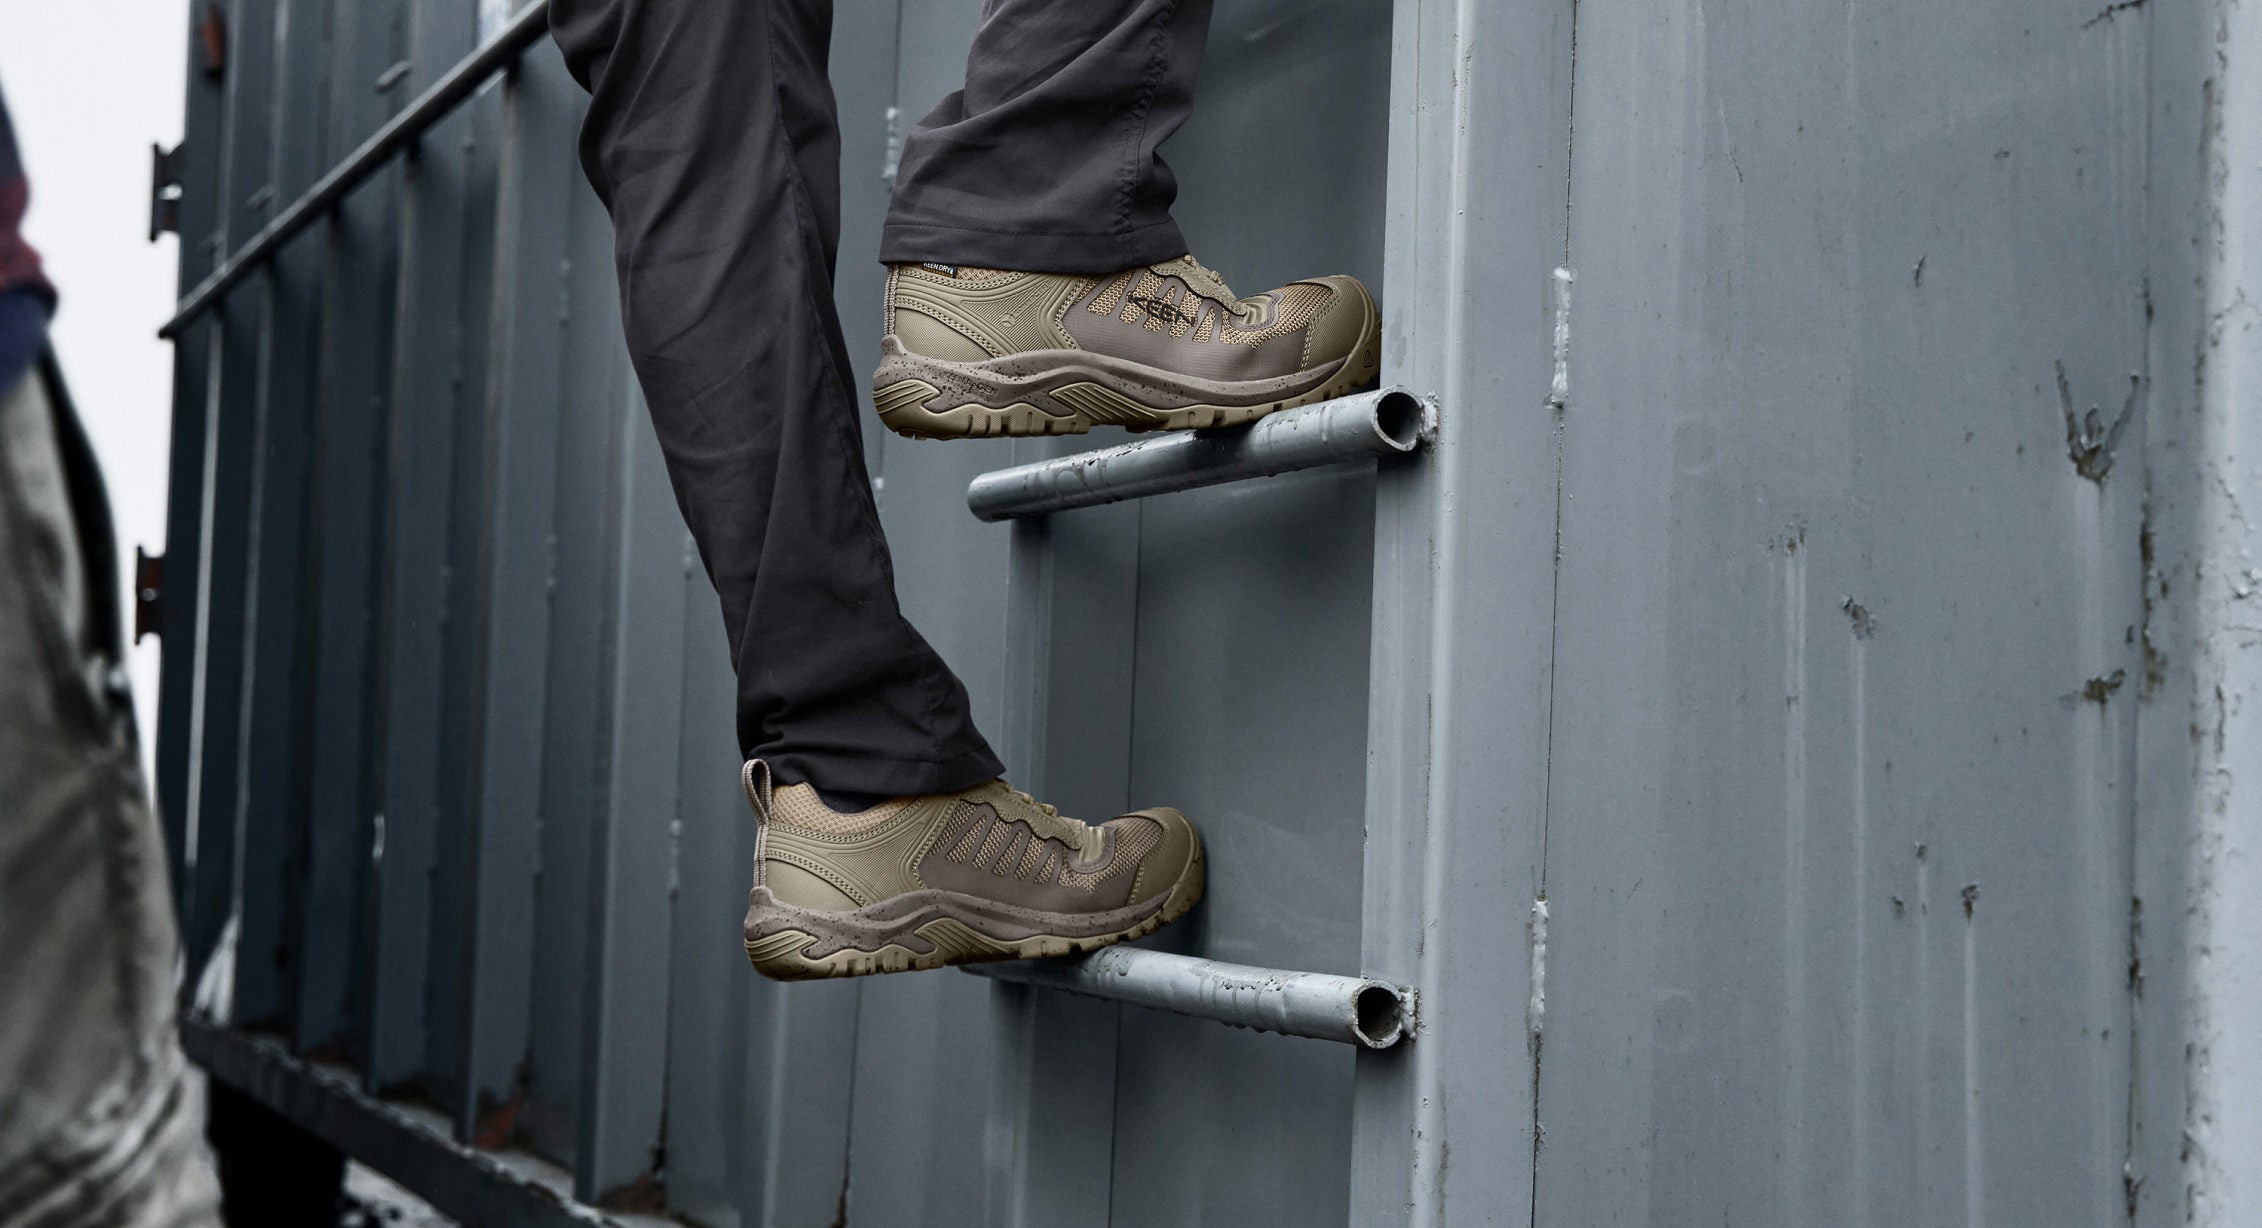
x=1166 y=864
x=1343 y=324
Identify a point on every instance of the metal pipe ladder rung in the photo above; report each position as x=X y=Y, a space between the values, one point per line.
x=1385 y=422
x=1355 y=1010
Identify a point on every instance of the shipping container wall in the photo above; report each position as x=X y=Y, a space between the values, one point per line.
x=1781 y=726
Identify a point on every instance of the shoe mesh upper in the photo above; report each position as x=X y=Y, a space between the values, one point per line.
x=1299 y=304
x=1133 y=838
x=977 y=836
x=799 y=806
x=1111 y=295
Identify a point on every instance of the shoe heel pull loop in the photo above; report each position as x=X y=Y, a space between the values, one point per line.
x=761 y=794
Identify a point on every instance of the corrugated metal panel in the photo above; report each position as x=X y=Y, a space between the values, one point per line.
x=1843 y=927
x=1790 y=749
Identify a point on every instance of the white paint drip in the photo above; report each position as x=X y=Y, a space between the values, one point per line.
x=893 y=155
x=1536 y=1015
x=1559 y=391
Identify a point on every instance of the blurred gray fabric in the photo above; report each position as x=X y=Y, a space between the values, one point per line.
x=100 y=1118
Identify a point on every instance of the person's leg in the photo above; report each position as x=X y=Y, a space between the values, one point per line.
x=1046 y=161
x=710 y=138
x=1039 y=286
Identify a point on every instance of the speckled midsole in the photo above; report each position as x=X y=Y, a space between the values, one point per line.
x=1030 y=378
x=896 y=921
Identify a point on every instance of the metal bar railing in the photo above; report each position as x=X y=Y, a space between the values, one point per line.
x=405 y=1141
x=460 y=82
x=1384 y=422
x=1355 y=1010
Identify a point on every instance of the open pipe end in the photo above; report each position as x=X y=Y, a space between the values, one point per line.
x=1399 y=417
x=1378 y=1015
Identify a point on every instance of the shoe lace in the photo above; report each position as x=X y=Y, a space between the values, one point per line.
x=1072 y=831
x=1208 y=283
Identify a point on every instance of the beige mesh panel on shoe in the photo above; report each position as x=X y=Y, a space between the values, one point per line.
x=1133 y=840
x=968 y=824
x=1110 y=297
x=1132 y=312
x=1001 y=834
x=1011 y=857
x=1186 y=318
x=1002 y=845
x=1299 y=304
x=1031 y=859
x=799 y=806
x=1208 y=326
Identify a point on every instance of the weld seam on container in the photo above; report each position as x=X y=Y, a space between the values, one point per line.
x=425 y=110
x=1355 y=1010
x=1385 y=422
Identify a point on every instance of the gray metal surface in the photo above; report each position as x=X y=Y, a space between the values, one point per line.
x=1796 y=749
x=1350 y=1009
x=1458 y=732
x=578 y=385
x=349 y=410
x=269 y=884
x=232 y=408
x=1887 y=598
x=455 y=871
x=368 y=158
x=1250 y=682
x=421 y=455
x=1380 y=423
x=2196 y=1100
x=514 y=574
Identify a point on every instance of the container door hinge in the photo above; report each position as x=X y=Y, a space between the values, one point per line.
x=165 y=189
x=149 y=593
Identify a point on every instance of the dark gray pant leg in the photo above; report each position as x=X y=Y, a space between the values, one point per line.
x=1045 y=162
x=711 y=139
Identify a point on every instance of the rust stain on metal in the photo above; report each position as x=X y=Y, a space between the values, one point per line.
x=647 y=1195
x=2111 y=11
x=1864 y=623
x=212 y=40
x=2135 y=946
x=2154 y=585
x=2089 y=442
x=499 y=1128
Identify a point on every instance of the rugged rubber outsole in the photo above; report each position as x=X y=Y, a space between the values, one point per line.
x=1068 y=392
x=941 y=931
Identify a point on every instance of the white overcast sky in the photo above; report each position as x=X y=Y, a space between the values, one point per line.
x=90 y=85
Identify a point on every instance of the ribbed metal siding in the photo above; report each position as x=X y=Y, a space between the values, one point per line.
x=1789 y=763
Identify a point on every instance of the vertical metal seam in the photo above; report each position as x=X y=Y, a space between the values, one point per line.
x=1559 y=404
x=2132 y=1130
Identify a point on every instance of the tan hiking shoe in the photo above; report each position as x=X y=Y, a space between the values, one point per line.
x=953 y=878
x=972 y=352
